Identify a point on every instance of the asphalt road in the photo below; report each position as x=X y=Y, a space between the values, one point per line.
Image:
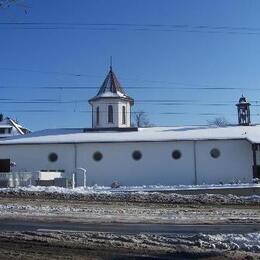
x=119 y=228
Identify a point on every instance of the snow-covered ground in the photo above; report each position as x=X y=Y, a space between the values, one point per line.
x=137 y=207
x=119 y=213
x=143 y=188
x=246 y=242
x=144 y=204
x=193 y=244
x=151 y=194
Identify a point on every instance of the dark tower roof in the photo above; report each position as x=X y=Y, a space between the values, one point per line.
x=242 y=100
x=111 y=88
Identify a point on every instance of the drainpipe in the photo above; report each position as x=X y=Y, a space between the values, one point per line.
x=75 y=162
x=254 y=148
x=195 y=161
x=92 y=117
x=73 y=180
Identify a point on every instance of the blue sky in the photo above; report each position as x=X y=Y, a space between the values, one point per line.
x=151 y=64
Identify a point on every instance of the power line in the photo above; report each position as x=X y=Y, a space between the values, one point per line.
x=165 y=88
x=246 y=30
x=47 y=100
x=163 y=102
x=49 y=72
x=136 y=88
x=139 y=81
x=42 y=111
x=166 y=103
x=138 y=25
x=90 y=112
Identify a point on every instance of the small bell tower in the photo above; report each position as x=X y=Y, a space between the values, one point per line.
x=111 y=107
x=243 y=110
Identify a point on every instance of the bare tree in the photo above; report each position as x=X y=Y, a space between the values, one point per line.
x=18 y=3
x=141 y=119
x=219 y=122
x=7 y=3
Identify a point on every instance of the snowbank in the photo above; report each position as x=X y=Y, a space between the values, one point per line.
x=142 y=194
x=245 y=242
x=152 y=242
x=143 y=188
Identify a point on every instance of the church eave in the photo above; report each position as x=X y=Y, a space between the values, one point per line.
x=96 y=98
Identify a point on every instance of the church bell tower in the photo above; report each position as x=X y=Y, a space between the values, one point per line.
x=111 y=107
x=243 y=110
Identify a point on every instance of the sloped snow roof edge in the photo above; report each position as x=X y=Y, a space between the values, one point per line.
x=154 y=134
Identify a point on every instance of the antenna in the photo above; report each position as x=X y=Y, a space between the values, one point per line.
x=111 y=62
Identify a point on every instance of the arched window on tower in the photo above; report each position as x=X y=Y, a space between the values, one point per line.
x=123 y=115
x=97 y=115
x=110 y=114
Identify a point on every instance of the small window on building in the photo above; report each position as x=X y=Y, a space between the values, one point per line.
x=10 y=130
x=215 y=153
x=2 y=130
x=110 y=114
x=123 y=115
x=97 y=156
x=137 y=155
x=97 y=116
x=53 y=157
x=176 y=154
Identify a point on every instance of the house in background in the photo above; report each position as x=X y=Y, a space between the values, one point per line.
x=9 y=127
x=114 y=151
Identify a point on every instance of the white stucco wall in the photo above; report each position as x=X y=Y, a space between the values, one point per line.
x=128 y=114
x=35 y=157
x=235 y=161
x=117 y=113
x=156 y=166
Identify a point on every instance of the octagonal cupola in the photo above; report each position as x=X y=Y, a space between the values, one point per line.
x=111 y=107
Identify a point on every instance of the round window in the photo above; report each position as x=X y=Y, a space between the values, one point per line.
x=53 y=157
x=215 y=153
x=97 y=156
x=136 y=155
x=176 y=154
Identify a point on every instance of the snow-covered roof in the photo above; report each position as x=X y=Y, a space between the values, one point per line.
x=10 y=123
x=250 y=133
x=16 y=126
x=111 y=88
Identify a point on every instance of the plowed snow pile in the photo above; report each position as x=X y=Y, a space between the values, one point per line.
x=247 y=242
x=102 y=194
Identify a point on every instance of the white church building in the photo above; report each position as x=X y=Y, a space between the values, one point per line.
x=112 y=150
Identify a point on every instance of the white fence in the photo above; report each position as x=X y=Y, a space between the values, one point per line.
x=15 y=179
x=23 y=179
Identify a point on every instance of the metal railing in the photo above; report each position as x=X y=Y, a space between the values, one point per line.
x=16 y=179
